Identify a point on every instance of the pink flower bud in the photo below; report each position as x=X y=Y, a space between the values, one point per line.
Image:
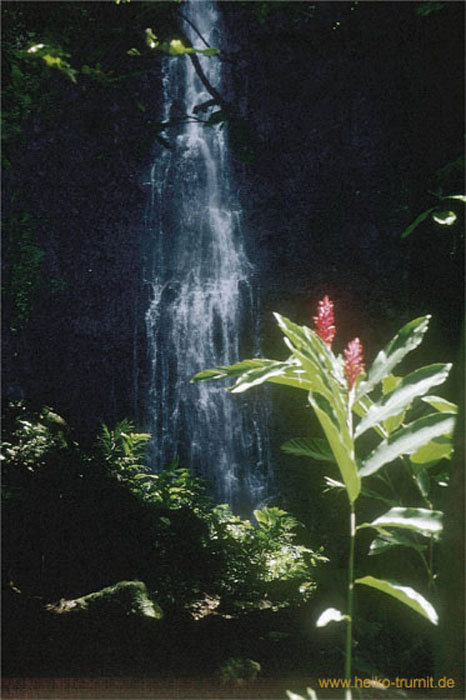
x=324 y=321
x=353 y=361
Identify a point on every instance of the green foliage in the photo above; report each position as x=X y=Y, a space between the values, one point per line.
x=404 y=594
x=264 y=563
x=174 y=487
x=33 y=439
x=383 y=403
x=442 y=216
x=52 y=56
x=187 y=548
x=123 y=450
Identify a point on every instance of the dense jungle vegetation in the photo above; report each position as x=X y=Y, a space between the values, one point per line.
x=110 y=570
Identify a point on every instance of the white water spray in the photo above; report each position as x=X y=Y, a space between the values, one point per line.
x=202 y=299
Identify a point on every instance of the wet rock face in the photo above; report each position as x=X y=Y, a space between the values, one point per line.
x=344 y=121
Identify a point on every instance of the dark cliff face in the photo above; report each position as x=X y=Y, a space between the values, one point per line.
x=348 y=122
x=352 y=112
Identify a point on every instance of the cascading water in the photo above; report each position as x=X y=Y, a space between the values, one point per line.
x=202 y=299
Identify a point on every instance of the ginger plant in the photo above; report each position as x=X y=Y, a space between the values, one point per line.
x=347 y=403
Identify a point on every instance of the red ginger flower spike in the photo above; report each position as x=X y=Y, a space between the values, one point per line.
x=324 y=321
x=353 y=362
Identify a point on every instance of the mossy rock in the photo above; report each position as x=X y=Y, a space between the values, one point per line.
x=123 y=599
x=239 y=670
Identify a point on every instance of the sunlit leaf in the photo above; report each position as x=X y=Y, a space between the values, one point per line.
x=460 y=197
x=407 y=339
x=408 y=440
x=404 y=594
x=361 y=407
x=317 y=448
x=444 y=218
x=233 y=370
x=306 y=340
x=254 y=377
x=386 y=540
x=330 y=615
x=341 y=444
x=413 y=385
x=434 y=451
x=177 y=48
x=421 y=520
x=441 y=404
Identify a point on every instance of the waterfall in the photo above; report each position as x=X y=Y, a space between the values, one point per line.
x=202 y=304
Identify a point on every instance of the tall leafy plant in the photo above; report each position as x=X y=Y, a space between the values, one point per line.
x=409 y=426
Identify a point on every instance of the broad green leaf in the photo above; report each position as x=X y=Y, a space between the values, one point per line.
x=389 y=383
x=394 y=422
x=434 y=451
x=445 y=217
x=418 y=220
x=406 y=340
x=413 y=385
x=421 y=520
x=408 y=440
x=293 y=376
x=341 y=444
x=441 y=404
x=386 y=540
x=361 y=407
x=319 y=378
x=330 y=615
x=254 y=377
x=232 y=370
x=461 y=197
x=404 y=594
x=306 y=340
x=317 y=448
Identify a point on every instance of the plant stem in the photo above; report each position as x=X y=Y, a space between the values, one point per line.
x=349 y=607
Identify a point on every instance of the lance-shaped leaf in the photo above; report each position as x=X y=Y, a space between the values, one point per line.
x=386 y=540
x=340 y=442
x=306 y=340
x=361 y=407
x=323 y=383
x=434 y=451
x=233 y=370
x=406 y=340
x=404 y=594
x=413 y=385
x=441 y=404
x=421 y=520
x=408 y=440
x=418 y=220
x=317 y=448
x=254 y=377
x=331 y=615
